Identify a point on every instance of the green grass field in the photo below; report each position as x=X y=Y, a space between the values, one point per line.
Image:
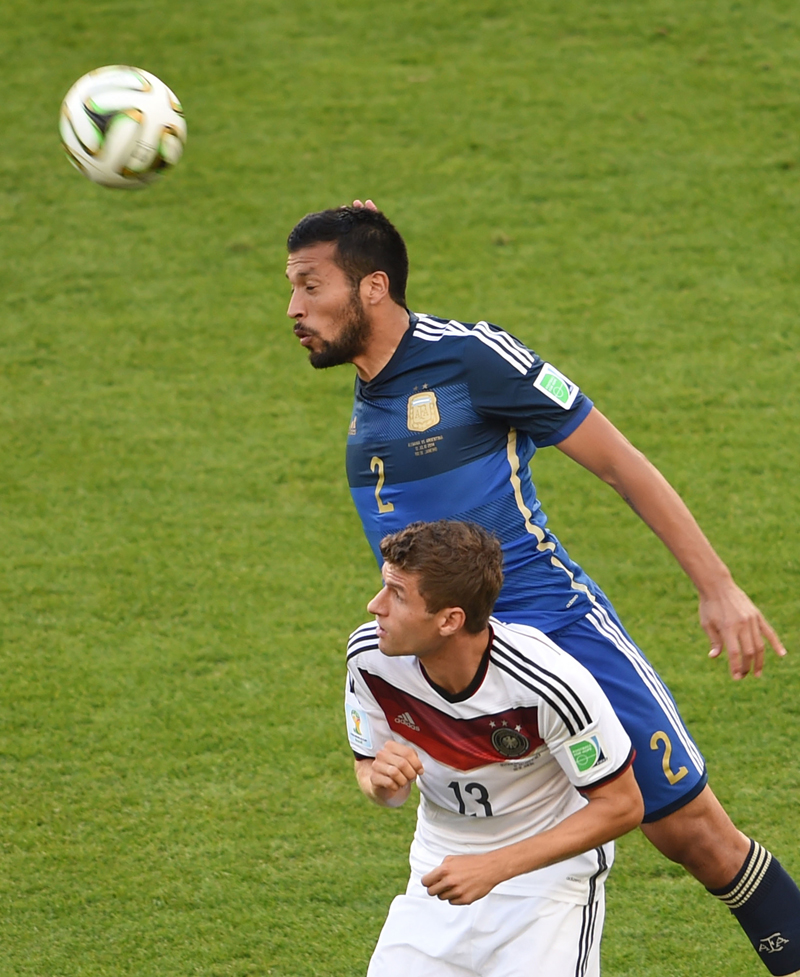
x=618 y=185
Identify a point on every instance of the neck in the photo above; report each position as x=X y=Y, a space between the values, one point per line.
x=389 y=325
x=455 y=664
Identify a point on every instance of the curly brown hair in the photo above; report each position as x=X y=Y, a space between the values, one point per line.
x=459 y=564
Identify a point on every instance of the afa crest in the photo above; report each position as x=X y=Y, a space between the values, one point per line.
x=423 y=411
x=772 y=944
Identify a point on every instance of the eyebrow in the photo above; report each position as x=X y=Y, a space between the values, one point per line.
x=303 y=274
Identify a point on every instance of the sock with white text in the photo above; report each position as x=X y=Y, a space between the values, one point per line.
x=766 y=903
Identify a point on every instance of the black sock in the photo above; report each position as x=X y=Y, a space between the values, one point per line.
x=766 y=903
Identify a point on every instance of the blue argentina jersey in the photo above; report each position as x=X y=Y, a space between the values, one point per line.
x=446 y=431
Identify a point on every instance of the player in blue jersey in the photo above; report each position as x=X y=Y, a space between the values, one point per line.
x=447 y=417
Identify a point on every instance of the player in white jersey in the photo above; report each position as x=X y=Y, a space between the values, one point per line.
x=524 y=770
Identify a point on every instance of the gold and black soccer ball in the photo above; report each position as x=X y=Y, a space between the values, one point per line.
x=122 y=127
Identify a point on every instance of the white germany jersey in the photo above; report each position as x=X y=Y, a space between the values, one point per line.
x=504 y=759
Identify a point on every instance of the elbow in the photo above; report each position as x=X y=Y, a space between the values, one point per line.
x=629 y=805
x=619 y=479
x=633 y=812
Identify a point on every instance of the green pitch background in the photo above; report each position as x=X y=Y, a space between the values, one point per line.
x=616 y=183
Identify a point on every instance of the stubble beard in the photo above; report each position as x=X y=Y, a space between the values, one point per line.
x=351 y=341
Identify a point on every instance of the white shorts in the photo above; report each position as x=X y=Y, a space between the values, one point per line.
x=497 y=936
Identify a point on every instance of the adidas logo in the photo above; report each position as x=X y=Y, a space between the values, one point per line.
x=406 y=719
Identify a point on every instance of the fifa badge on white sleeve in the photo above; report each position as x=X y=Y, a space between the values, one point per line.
x=358 y=731
x=586 y=753
x=556 y=386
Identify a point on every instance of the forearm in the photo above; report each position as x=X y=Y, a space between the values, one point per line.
x=597 y=823
x=728 y=616
x=612 y=810
x=603 y=450
x=657 y=503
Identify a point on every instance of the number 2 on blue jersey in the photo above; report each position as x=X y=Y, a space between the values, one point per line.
x=376 y=465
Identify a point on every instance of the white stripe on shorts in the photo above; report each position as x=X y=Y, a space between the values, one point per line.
x=609 y=628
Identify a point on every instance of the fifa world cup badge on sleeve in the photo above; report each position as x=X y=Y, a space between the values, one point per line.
x=358 y=731
x=586 y=753
x=556 y=386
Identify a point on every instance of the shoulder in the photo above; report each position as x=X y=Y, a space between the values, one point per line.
x=362 y=641
x=540 y=651
x=479 y=342
x=529 y=642
x=534 y=662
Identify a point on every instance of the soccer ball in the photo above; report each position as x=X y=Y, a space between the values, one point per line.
x=122 y=126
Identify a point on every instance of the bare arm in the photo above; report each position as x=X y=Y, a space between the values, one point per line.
x=727 y=615
x=613 y=809
x=387 y=779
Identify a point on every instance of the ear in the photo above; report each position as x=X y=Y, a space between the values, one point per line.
x=374 y=288
x=450 y=621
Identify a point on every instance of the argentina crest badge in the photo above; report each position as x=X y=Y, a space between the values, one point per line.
x=423 y=411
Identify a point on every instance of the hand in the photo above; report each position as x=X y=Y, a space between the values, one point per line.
x=367 y=205
x=396 y=766
x=733 y=622
x=461 y=879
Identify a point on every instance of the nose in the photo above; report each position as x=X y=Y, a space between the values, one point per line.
x=374 y=606
x=295 y=310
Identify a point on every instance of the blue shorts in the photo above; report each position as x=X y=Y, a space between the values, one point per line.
x=669 y=767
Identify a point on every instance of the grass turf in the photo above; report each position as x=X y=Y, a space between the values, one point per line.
x=617 y=186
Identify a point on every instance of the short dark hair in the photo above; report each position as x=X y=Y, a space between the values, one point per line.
x=459 y=564
x=366 y=241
